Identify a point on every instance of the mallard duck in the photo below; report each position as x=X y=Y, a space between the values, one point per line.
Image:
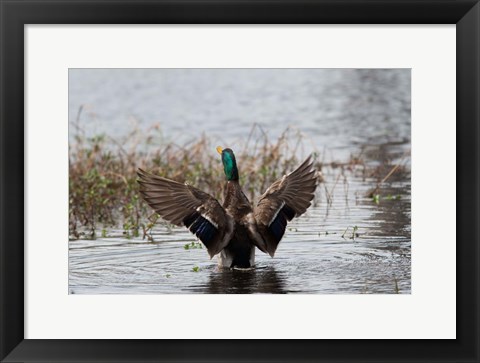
x=234 y=229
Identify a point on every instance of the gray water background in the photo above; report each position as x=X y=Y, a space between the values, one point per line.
x=340 y=112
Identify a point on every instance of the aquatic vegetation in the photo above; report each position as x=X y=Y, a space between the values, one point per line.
x=354 y=233
x=377 y=197
x=103 y=192
x=192 y=245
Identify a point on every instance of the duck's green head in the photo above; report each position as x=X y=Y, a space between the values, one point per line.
x=229 y=163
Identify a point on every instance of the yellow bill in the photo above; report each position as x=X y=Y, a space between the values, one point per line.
x=219 y=150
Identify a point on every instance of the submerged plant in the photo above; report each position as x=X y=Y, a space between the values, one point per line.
x=192 y=245
x=354 y=233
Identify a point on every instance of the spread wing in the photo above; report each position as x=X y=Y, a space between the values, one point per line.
x=182 y=204
x=286 y=198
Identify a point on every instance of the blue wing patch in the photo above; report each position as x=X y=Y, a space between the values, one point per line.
x=202 y=228
x=278 y=225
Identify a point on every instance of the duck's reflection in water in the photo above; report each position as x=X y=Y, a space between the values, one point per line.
x=263 y=280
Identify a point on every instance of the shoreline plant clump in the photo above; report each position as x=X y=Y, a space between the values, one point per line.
x=103 y=188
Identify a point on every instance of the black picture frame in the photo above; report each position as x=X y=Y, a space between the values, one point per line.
x=15 y=14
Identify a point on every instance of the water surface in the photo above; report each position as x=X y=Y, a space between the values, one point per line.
x=341 y=112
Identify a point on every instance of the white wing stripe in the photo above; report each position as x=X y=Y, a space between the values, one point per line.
x=276 y=213
x=199 y=210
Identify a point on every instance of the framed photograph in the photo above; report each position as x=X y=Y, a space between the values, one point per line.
x=239 y=181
